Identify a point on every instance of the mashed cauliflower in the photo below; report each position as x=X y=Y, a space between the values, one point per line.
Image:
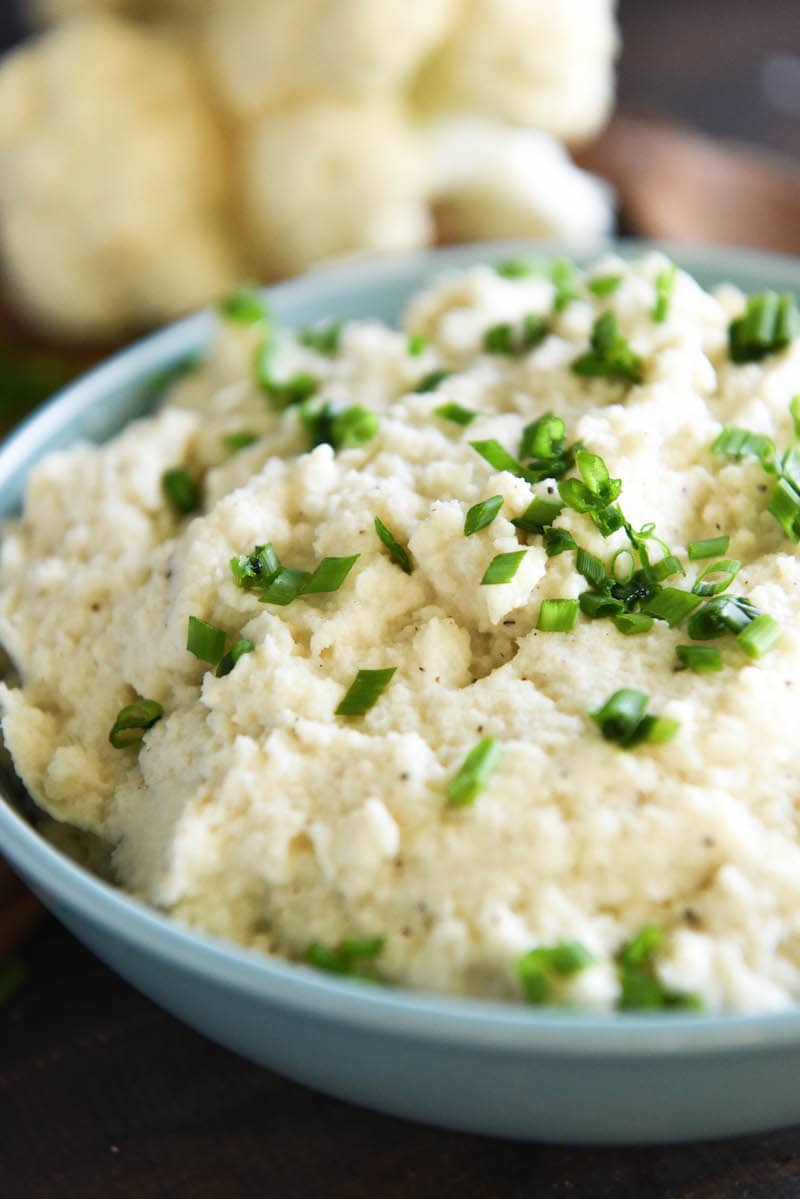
x=253 y=810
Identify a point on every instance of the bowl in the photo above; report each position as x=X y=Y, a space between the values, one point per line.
x=492 y=1068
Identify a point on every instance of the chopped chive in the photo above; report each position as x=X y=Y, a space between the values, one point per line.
x=482 y=514
x=666 y=568
x=229 y=660
x=499 y=339
x=329 y=575
x=769 y=323
x=343 y=428
x=244 y=306
x=603 y=285
x=599 y=604
x=502 y=568
x=665 y=284
x=538 y=515
x=535 y=968
x=257 y=569
x=364 y=691
x=498 y=457
x=397 y=552
x=324 y=338
x=519 y=268
x=640 y=987
x=631 y=624
x=758 y=637
x=533 y=332
x=182 y=493
x=720 y=615
x=431 y=381
x=790 y=468
x=284 y=587
x=710 y=548
x=564 y=277
x=595 y=491
x=455 y=413
x=742 y=443
x=282 y=393
x=609 y=356
x=794 y=409
x=727 y=569
x=622 y=719
x=474 y=772
x=784 y=505
x=353 y=958
x=590 y=567
x=543 y=438
x=671 y=605
x=558 y=541
x=607 y=520
x=701 y=658
x=133 y=721
x=205 y=641
x=557 y=615
x=239 y=441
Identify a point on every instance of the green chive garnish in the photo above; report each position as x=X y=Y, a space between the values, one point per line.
x=722 y=614
x=244 y=306
x=498 y=457
x=432 y=380
x=557 y=541
x=794 y=409
x=595 y=491
x=564 y=277
x=604 y=285
x=397 y=552
x=353 y=958
x=539 y=514
x=499 y=339
x=482 y=514
x=365 y=690
x=323 y=338
x=770 y=322
x=590 y=567
x=343 y=428
x=416 y=344
x=182 y=493
x=758 y=637
x=784 y=505
x=727 y=569
x=640 y=988
x=474 y=772
x=519 y=268
x=263 y=572
x=536 y=968
x=502 y=568
x=455 y=413
x=712 y=547
x=505 y=339
x=239 y=441
x=285 y=587
x=671 y=605
x=329 y=575
x=204 y=641
x=701 y=658
x=742 y=443
x=622 y=719
x=229 y=660
x=557 y=615
x=665 y=284
x=610 y=356
x=631 y=624
x=282 y=393
x=133 y=721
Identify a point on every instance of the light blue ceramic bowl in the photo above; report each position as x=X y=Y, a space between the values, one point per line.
x=485 y=1067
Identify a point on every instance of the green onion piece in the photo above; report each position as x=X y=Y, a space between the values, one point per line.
x=665 y=284
x=742 y=443
x=603 y=285
x=600 y=604
x=204 y=641
x=416 y=344
x=502 y=568
x=133 y=721
x=499 y=339
x=244 y=306
x=720 y=615
x=323 y=338
x=558 y=541
x=620 y=716
x=474 y=772
x=656 y=730
x=727 y=568
x=710 y=548
x=609 y=356
x=701 y=658
x=633 y=623
x=12 y=976
x=482 y=514
x=229 y=660
x=640 y=988
x=608 y=520
x=564 y=277
x=397 y=552
x=285 y=587
x=595 y=491
x=257 y=569
x=353 y=958
x=182 y=493
x=282 y=393
x=794 y=409
x=666 y=568
x=432 y=380
x=557 y=615
x=455 y=413
x=496 y=456
x=770 y=322
x=329 y=575
x=784 y=505
x=535 y=968
x=590 y=567
x=519 y=268
x=790 y=468
x=759 y=637
x=365 y=690
x=538 y=515
x=671 y=605
x=543 y=438
x=534 y=331
x=353 y=427
x=239 y=441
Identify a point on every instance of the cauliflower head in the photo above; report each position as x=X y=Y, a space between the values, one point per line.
x=113 y=181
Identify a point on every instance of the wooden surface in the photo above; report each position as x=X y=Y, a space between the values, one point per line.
x=101 y=1094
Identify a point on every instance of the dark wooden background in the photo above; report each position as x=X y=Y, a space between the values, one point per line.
x=101 y=1094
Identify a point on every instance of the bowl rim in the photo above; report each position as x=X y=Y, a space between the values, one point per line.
x=398 y=1011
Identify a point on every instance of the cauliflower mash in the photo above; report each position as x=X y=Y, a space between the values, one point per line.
x=463 y=657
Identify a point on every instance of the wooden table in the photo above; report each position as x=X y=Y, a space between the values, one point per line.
x=102 y=1094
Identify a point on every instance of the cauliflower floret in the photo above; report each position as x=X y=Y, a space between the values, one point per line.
x=261 y=49
x=533 y=62
x=328 y=177
x=491 y=180
x=112 y=180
